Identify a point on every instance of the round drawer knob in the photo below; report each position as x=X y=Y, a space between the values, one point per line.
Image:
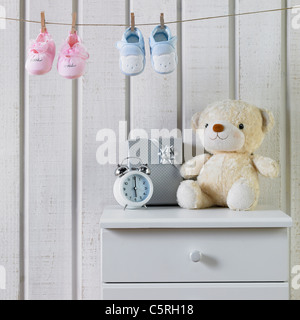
x=195 y=256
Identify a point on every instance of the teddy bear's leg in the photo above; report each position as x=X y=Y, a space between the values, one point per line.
x=242 y=196
x=190 y=196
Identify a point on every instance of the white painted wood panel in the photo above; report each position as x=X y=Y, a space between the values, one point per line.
x=50 y=216
x=205 y=58
x=229 y=291
x=259 y=77
x=163 y=256
x=9 y=154
x=294 y=134
x=153 y=97
x=104 y=105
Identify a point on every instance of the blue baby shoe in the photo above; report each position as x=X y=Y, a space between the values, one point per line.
x=132 y=52
x=163 y=50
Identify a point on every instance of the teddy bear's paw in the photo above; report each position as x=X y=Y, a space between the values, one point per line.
x=188 y=194
x=189 y=170
x=241 y=196
x=274 y=169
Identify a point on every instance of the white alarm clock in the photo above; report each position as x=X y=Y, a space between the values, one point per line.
x=133 y=188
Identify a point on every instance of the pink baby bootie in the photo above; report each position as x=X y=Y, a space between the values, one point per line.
x=41 y=54
x=72 y=59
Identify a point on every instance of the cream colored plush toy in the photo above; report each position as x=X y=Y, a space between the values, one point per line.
x=227 y=177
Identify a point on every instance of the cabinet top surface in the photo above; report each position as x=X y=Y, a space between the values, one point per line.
x=115 y=217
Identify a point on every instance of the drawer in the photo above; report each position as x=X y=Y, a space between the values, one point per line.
x=163 y=255
x=207 y=291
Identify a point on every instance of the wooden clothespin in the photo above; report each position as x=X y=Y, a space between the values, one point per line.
x=162 y=21
x=74 y=17
x=132 y=22
x=43 y=22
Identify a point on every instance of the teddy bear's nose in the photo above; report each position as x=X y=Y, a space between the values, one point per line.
x=218 y=128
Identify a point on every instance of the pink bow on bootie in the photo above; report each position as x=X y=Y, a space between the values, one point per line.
x=77 y=50
x=38 y=47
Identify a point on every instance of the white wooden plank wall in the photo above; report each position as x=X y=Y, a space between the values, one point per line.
x=9 y=154
x=294 y=136
x=205 y=58
x=104 y=105
x=50 y=156
x=243 y=58
x=153 y=97
x=259 y=76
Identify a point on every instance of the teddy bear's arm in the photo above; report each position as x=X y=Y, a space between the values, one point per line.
x=191 y=169
x=266 y=166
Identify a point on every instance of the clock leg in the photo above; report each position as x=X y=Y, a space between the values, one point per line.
x=125 y=207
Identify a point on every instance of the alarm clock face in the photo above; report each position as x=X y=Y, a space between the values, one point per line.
x=136 y=188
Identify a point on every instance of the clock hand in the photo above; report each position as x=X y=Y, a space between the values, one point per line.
x=135 y=188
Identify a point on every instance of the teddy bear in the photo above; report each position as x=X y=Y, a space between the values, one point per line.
x=228 y=175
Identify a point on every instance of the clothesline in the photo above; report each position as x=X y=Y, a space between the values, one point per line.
x=152 y=23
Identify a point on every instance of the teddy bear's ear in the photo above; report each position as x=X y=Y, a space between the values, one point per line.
x=195 y=121
x=268 y=120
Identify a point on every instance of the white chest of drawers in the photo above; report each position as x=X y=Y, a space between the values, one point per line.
x=176 y=254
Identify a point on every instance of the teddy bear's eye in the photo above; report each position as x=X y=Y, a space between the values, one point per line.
x=206 y=126
x=241 y=126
